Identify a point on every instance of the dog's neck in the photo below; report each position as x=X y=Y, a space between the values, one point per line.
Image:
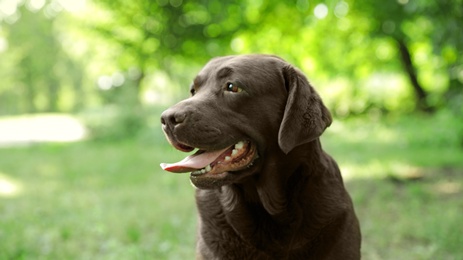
x=277 y=182
x=275 y=188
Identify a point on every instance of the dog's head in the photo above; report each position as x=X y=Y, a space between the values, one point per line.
x=242 y=109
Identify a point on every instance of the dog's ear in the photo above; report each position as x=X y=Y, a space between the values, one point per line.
x=305 y=117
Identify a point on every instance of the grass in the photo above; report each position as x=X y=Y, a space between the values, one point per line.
x=94 y=201
x=110 y=200
x=405 y=176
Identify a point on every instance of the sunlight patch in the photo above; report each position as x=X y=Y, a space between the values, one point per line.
x=448 y=188
x=73 y=6
x=40 y=128
x=320 y=11
x=380 y=169
x=8 y=186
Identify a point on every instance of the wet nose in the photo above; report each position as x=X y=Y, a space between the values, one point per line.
x=171 y=118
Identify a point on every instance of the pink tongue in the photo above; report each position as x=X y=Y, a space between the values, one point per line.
x=193 y=162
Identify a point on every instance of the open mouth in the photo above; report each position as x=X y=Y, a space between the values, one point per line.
x=212 y=163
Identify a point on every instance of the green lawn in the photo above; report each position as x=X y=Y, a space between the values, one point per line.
x=110 y=200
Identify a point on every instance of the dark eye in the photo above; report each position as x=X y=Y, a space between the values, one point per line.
x=233 y=88
x=192 y=91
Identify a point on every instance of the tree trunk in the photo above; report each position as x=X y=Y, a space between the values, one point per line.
x=53 y=94
x=30 y=92
x=454 y=95
x=420 y=94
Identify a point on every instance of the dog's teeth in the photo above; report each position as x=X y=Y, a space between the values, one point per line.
x=203 y=170
x=208 y=168
x=227 y=158
x=234 y=152
x=239 y=145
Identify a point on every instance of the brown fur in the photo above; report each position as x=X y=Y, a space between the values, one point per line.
x=292 y=203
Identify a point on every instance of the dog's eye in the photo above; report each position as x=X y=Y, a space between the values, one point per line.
x=233 y=88
x=192 y=91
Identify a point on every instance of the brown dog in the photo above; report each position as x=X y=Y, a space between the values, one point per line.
x=266 y=189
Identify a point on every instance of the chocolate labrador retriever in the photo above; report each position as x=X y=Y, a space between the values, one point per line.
x=265 y=187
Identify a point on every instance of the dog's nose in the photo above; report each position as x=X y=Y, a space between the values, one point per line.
x=172 y=118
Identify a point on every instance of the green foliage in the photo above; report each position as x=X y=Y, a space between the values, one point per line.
x=122 y=118
x=112 y=123
x=41 y=67
x=359 y=44
x=122 y=56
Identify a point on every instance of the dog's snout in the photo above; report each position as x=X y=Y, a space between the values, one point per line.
x=172 y=118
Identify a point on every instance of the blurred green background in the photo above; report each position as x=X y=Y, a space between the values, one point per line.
x=83 y=83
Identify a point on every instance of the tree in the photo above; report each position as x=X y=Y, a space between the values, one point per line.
x=41 y=66
x=407 y=22
x=343 y=44
x=161 y=34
